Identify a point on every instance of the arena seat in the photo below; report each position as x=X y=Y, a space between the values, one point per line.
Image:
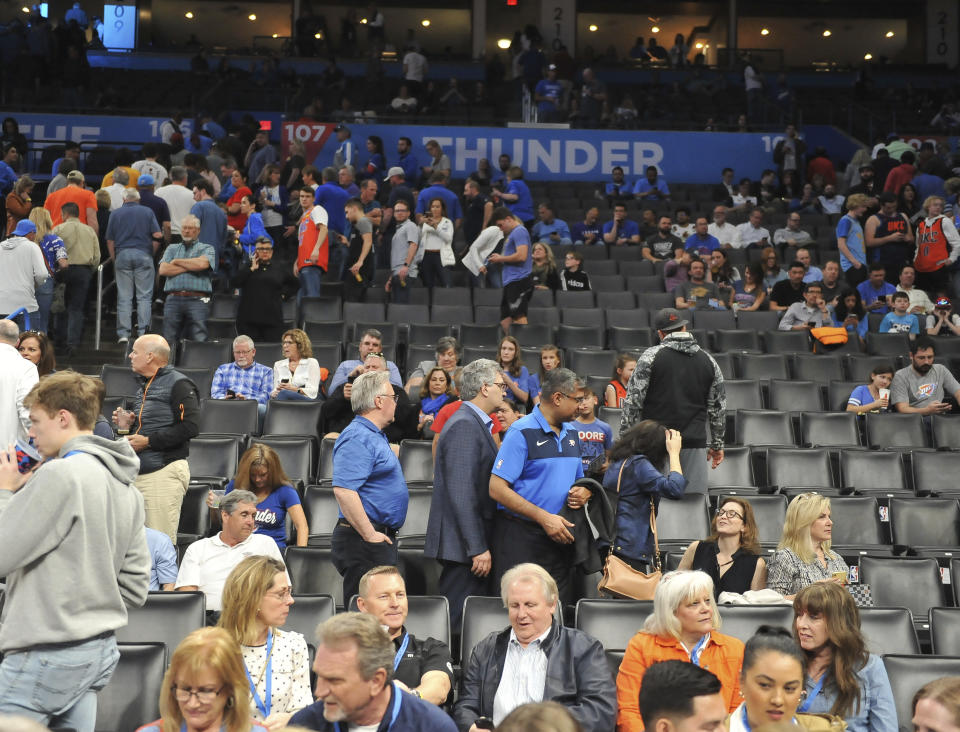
x=166 y=617
x=895 y=430
x=829 y=429
x=312 y=572
x=927 y=523
x=912 y=583
x=133 y=693
x=908 y=673
x=795 y=395
x=888 y=630
x=742 y=621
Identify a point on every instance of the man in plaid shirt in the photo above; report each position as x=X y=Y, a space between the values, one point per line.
x=244 y=378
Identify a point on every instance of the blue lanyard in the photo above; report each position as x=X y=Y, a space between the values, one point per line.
x=265 y=704
x=400 y=651
x=698 y=650
x=808 y=702
x=397 y=701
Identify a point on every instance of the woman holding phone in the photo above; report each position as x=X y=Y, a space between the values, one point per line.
x=264 y=284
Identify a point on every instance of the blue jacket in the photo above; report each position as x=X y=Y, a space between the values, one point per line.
x=462 y=511
x=641 y=481
x=251 y=232
x=413 y=715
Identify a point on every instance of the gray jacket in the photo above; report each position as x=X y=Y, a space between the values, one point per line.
x=73 y=547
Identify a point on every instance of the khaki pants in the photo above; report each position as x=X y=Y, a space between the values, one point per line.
x=163 y=492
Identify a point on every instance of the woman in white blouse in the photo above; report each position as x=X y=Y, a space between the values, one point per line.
x=256 y=601
x=298 y=376
x=436 y=245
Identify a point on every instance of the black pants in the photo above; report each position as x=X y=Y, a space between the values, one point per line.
x=353 y=557
x=261 y=332
x=855 y=276
x=457 y=583
x=432 y=271
x=516 y=541
x=936 y=283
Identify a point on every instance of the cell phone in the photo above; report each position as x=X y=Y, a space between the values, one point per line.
x=483 y=723
x=284 y=381
x=231 y=393
x=596 y=465
x=27 y=457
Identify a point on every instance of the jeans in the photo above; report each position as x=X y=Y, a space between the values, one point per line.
x=311 y=281
x=134 y=272
x=77 y=279
x=493 y=278
x=285 y=395
x=187 y=316
x=399 y=292
x=44 y=294
x=696 y=469
x=58 y=683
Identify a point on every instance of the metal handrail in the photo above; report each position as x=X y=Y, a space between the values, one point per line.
x=26 y=317
x=101 y=291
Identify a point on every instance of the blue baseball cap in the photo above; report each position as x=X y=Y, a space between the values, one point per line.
x=24 y=227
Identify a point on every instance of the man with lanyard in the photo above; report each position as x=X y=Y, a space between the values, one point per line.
x=538 y=462
x=420 y=667
x=351 y=696
x=888 y=234
x=517 y=262
x=188 y=266
x=313 y=248
x=368 y=484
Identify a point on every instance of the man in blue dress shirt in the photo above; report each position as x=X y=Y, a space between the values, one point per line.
x=368 y=484
x=538 y=462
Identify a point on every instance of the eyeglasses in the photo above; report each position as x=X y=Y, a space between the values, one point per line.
x=264 y=249
x=502 y=384
x=578 y=400
x=288 y=342
x=283 y=594
x=395 y=397
x=242 y=353
x=728 y=514
x=204 y=696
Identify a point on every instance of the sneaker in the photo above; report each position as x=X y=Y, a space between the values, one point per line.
x=123 y=340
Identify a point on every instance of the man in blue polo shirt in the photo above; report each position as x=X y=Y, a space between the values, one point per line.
x=368 y=484
x=517 y=261
x=438 y=189
x=531 y=481
x=333 y=199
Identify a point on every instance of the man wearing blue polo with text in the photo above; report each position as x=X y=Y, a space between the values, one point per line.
x=368 y=484
x=531 y=481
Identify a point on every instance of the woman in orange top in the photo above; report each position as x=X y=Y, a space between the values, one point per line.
x=683 y=627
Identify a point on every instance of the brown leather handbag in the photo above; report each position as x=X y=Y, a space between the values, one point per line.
x=623 y=581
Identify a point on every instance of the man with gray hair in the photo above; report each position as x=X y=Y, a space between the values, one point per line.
x=368 y=484
x=460 y=526
x=120 y=179
x=179 y=199
x=17 y=377
x=371 y=341
x=133 y=236
x=532 y=479
x=447 y=353
x=188 y=266
x=536 y=659
x=354 y=666
x=243 y=378
x=208 y=562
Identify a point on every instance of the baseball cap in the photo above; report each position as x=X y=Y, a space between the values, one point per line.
x=24 y=227
x=395 y=170
x=669 y=319
x=146 y=180
x=942 y=302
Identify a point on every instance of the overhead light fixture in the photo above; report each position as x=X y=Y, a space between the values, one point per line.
x=363 y=21
x=252 y=16
x=764 y=31
x=592 y=28
x=25 y=9
x=655 y=29
x=188 y=15
x=890 y=34
x=867 y=56
x=827 y=33
x=425 y=22
x=318 y=36
x=698 y=45
x=503 y=43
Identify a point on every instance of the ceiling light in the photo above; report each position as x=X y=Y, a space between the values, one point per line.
x=275 y=35
x=318 y=36
x=698 y=45
x=425 y=22
x=592 y=28
x=363 y=20
x=827 y=33
x=252 y=16
x=867 y=56
x=764 y=31
x=188 y=15
x=503 y=43
x=25 y=9
x=655 y=29
x=890 y=34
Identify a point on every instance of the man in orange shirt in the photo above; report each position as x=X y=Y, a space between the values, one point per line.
x=313 y=249
x=73 y=193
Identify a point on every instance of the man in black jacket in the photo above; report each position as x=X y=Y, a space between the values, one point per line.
x=160 y=427
x=568 y=665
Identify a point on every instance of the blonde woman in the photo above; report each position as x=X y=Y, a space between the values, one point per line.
x=205 y=687
x=256 y=602
x=684 y=626
x=55 y=258
x=803 y=555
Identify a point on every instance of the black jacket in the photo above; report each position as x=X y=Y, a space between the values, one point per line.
x=262 y=291
x=578 y=677
x=168 y=417
x=599 y=516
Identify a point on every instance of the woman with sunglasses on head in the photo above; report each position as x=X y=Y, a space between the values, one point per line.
x=803 y=555
x=731 y=554
x=205 y=688
x=843 y=678
x=256 y=602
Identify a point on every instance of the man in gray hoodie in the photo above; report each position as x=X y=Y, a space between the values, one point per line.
x=73 y=550
x=23 y=270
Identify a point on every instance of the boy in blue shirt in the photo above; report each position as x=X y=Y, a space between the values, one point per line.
x=900 y=321
x=596 y=436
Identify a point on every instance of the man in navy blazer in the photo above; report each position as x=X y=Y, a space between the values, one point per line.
x=461 y=512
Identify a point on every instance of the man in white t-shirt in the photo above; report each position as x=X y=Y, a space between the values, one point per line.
x=414 y=70
x=725 y=232
x=179 y=200
x=752 y=232
x=149 y=164
x=208 y=562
